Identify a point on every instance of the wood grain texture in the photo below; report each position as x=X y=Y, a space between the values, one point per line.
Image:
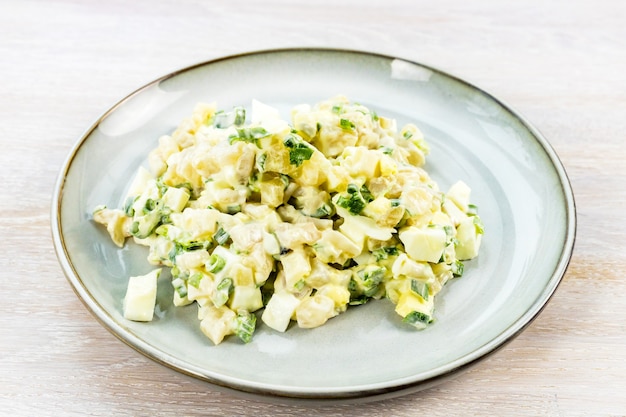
x=562 y=64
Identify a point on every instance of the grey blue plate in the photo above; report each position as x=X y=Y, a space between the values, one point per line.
x=517 y=180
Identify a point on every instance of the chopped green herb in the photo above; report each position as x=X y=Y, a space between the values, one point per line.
x=298 y=286
x=367 y=195
x=420 y=288
x=193 y=245
x=348 y=264
x=267 y=289
x=449 y=230
x=353 y=287
x=233 y=209
x=176 y=250
x=384 y=252
x=165 y=215
x=290 y=141
x=162 y=187
x=260 y=161
x=195 y=279
x=346 y=124
x=359 y=300
x=366 y=281
x=286 y=180
x=222 y=292
x=221 y=236
x=187 y=186
x=356 y=200
x=215 y=264
x=253 y=182
x=245 y=323
x=128 y=206
x=149 y=206
x=180 y=287
x=416 y=318
x=457 y=268
x=323 y=211
x=175 y=271
x=222 y=120
x=240 y=116
x=354 y=203
x=143 y=226
x=300 y=154
x=478 y=224
x=298 y=150
x=249 y=135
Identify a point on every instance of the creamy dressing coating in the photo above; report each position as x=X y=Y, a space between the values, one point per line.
x=293 y=221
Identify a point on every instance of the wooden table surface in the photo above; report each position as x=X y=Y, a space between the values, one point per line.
x=562 y=64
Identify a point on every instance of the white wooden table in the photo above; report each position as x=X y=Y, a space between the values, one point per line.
x=562 y=64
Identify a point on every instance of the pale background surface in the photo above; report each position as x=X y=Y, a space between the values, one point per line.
x=561 y=64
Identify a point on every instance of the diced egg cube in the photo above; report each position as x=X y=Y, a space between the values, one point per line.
x=217 y=322
x=176 y=198
x=279 y=309
x=296 y=265
x=315 y=311
x=469 y=239
x=247 y=298
x=141 y=296
x=424 y=244
x=460 y=194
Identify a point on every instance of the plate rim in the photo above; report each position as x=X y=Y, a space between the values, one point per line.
x=397 y=386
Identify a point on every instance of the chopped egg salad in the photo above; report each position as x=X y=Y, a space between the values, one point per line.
x=292 y=221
